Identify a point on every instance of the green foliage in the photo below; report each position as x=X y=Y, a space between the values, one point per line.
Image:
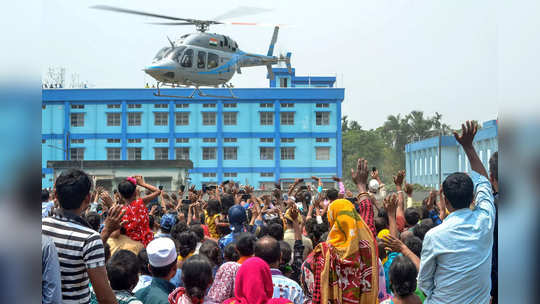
x=384 y=147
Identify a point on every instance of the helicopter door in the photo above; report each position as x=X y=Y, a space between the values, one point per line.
x=201 y=60
x=187 y=59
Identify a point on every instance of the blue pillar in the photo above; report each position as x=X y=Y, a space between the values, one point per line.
x=338 y=139
x=66 y=130
x=123 y=138
x=172 y=122
x=219 y=140
x=277 y=140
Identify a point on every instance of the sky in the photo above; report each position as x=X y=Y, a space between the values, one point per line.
x=391 y=56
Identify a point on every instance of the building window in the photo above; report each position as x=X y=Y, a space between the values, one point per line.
x=287 y=105
x=322 y=118
x=77 y=141
x=182 y=105
x=161 y=140
x=77 y=119
x=134 y=119
x=266 y=118
x=267 y=174
x=208 y=153
x=209 y=118
x=266 y=185
x=182 y=118
x=161 y=106
x=230 y=153
x=229 y=139
x=415 y=167
x=113 y=153
x=113 y=140
x=229 y=105
x=113 y=119
x=287 y=140
x=134 y=140
x=182 y=140
x=283 y=82
x=287 y=118
x=322 y=139
x=76 y=153
x=209 y=174
x=134 y=106
x=425 y=165
x=230 y=174
x=77 y=106
x=266 y=105
x=266 y=140
x=209 y=140
x=161 y=118
x=436 y=164
x=134 y=153
x=430 y=165
x=229 y=118
x=266 y=153
x=161 y=153
x=322 y=153
x=322 y=105
x=113 y=106
x=209 y=105
x=182 y=153
x=287 y=153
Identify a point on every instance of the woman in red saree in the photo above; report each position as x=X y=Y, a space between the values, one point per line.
x=253 y=284
x=136 y=214
x=344 y=269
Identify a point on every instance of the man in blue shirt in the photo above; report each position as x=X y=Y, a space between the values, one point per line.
x=455 y=266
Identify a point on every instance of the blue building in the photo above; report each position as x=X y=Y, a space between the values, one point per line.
x=424 y=158
x=266 y=135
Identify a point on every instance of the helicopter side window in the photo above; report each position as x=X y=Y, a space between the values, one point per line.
x=201 y=59
x=213 y=61
x=187 y=59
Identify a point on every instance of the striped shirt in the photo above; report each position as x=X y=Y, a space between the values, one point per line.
x=79 y=248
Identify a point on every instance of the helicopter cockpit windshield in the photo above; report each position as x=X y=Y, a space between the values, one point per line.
x=162 y=53
x=176 y=54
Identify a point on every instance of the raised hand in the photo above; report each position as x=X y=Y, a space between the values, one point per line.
x=393 y=243
x=106 y=198
x=139 y=179
x=391 y=202
x=375 y=174
x=360 y=177
x=114 y=221
x=468 y=131
x=398 y=179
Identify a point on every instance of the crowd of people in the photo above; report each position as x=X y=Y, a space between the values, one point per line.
x=225 y=244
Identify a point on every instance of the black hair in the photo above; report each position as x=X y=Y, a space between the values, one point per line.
x=230 y=253
x=187 y=242
x=275 y=230
x=196 y=275
x=245 y=243
x=107 y=251
x=210 y=249
x=151 y=221
x=402 y=275
x=123 y=270
x=213 y=207
x=198 y=230
x=44 y=195
x=142 y=256
x=286 y=252
x=163 y=271
x=227 y=201
x=424 y=210
x=268 y=249
x=411 y=216
x=94 y=220
x=332 y=194
x=494 y=166
x=178 y=228
x=380 y=223
x=421 y=229
x=414 y=243
x=126 y=189
x=382 y=249
x=459 y=190
x=72 y=188
x=408 y=189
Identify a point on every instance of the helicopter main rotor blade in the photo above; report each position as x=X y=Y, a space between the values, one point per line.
x=242 y=11
x=141 y=13
x=170 y=23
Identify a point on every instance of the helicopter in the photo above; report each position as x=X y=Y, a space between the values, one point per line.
x=202 y=58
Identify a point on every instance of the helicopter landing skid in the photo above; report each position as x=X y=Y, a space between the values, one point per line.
x=198 y=91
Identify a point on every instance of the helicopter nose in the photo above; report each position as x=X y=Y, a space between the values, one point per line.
x=160 y=71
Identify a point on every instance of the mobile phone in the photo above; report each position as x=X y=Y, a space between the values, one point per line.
x=186 y=201
x=213 y=187
x=300 y=180
x=242 y=191
x=246 y=196
x=374 y=169
x=160 y=187
x=182 y=188
x=226 y=182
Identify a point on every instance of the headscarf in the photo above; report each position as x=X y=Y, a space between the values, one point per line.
x=223 y=286
x=344 y=269
x=254 y=284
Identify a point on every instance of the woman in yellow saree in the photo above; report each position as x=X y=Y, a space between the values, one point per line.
x=344 y=269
